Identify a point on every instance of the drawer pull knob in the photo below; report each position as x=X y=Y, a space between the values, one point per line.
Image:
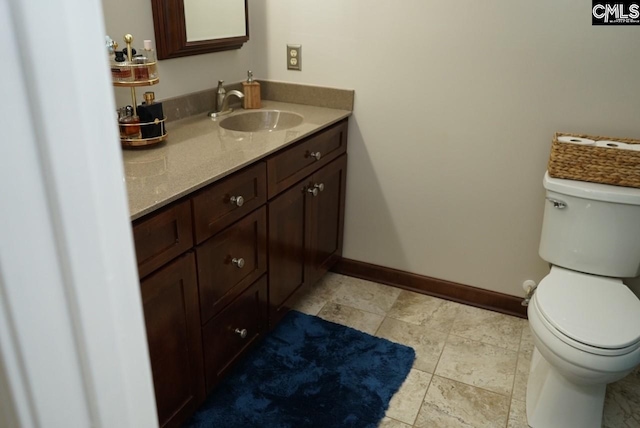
x=316 y=155
x=239 y=263
x=320 y=186
x=242 y=333
x=313 y=191
x=237 y=200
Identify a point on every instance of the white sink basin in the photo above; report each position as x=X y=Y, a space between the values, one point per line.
x=262 y=120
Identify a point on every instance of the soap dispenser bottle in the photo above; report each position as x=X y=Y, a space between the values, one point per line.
x=251 y=91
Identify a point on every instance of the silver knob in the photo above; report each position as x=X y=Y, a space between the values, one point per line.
x=557 y=203
x=242 y=333
x=313 y=191
x=237 y=200
x=316 y=155
x=239 y=263
x=320 y=186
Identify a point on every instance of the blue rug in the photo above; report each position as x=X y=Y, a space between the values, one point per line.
x=309 y=373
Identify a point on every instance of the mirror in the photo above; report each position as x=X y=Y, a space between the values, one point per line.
x=193 y=27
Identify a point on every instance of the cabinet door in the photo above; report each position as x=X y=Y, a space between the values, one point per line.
x=287 y=222
x=172 y=318
x=325 y=221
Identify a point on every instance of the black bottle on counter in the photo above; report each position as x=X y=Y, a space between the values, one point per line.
x=151 y=117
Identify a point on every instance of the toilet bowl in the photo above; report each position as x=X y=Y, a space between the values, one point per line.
x=586 y=331
x=585 y=322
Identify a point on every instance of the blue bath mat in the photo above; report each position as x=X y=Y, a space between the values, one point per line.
x=309 y=373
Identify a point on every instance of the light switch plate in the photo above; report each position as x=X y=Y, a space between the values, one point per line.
x=294 y=57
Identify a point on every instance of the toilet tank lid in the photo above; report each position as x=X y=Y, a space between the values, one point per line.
x=594 y=310
x=593 y=191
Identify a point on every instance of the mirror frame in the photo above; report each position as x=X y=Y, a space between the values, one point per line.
x=171 y=32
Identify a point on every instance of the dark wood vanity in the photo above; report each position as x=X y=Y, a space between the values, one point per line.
x=221 y=266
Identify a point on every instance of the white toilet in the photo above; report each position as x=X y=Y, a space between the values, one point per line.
x=585 y=322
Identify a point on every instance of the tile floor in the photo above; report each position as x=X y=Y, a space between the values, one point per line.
x=471 y=364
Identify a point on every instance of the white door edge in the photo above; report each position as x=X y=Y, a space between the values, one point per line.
x=72 y=337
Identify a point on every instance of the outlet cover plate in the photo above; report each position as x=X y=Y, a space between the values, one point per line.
x=294 y=57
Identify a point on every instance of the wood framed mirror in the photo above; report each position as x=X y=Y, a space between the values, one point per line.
x=193 y=27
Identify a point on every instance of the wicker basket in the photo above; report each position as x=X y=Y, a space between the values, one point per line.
x=607 y=165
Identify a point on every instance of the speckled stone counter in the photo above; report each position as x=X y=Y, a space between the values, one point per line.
x=199 y=152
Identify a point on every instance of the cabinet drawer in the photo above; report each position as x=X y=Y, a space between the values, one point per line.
x=233 y=331
x=217 y=206
x=230 y=261
x=295 y=163
x=162 y=237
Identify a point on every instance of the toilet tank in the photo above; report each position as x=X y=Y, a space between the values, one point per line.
x=591 y=227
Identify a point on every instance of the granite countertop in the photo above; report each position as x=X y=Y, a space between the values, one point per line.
x=199 y=152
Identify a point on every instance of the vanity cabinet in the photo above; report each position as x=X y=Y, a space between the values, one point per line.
x=306 y=220
x=224 y=264
x=172 y=312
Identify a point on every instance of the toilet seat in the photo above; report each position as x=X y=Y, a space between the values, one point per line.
x=599 y=315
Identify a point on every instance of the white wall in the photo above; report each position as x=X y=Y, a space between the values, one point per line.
x=455 y=108
x=456 y=104
x=178 y=76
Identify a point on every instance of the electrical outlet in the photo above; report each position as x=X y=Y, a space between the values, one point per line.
x=294 y=57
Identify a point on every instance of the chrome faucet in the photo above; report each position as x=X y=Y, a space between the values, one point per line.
x=220 y=93
x=222 y=101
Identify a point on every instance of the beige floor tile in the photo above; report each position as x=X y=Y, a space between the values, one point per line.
x=351 y=317
x=622 y=403
x=318 y=295
x=522 y=376
x=450 y=404
x=421 y=322
x=518 y=415
x=488 y=327
x=526 y=343
x=479 y=364
x=405 y=404
x=516 y=424
x=424 y=310
x=427 y=343
x=365 y=295
x=392 y=423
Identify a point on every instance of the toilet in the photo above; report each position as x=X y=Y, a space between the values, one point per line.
x=584 y=321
